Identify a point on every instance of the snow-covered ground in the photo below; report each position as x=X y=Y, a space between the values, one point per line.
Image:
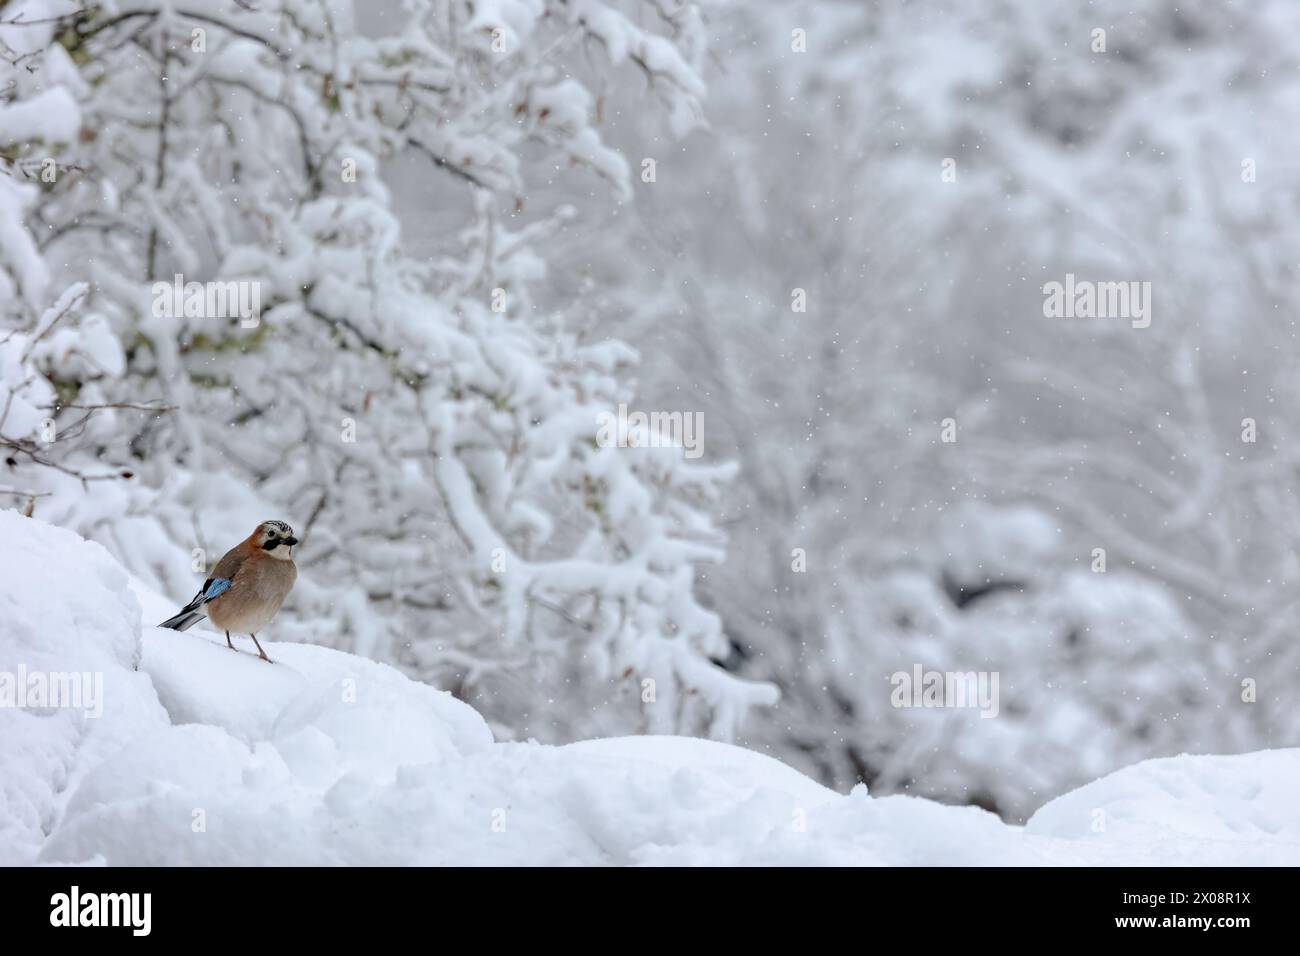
x=206 y=756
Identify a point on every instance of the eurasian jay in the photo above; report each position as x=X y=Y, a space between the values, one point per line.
x=247 y=586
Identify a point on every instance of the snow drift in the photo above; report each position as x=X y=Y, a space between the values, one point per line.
x=205 y=756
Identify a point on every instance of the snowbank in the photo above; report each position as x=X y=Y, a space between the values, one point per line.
x=204 y=755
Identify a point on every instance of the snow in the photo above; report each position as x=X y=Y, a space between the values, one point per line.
x=19 y=254
x=985 y=543
x=1195 y=810
x=51 y=114
x=207 y=755
x=64 y=607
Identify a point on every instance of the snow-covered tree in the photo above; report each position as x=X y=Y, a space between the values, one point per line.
x=53 y=358
x=431 y=433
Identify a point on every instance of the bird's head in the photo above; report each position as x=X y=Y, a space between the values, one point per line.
x=275 y=538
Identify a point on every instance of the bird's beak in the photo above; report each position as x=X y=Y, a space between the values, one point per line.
x=289 y=541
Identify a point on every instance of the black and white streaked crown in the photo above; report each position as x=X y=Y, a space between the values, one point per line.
x=279 y=526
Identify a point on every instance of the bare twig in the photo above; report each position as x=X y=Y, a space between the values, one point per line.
x=148 y=407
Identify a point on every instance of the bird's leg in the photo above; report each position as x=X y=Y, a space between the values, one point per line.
x=260 y=653
x=228 y=644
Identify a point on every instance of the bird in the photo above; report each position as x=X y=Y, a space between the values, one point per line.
x=247 y=586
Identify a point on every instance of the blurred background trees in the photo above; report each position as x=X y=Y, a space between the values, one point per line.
x=918 y=174
x=824 y=226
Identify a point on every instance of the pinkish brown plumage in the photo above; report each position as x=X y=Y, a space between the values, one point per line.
x=247 y=586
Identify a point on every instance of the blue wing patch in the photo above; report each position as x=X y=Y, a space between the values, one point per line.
x=218 y=587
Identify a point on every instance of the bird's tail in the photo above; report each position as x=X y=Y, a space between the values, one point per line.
x=186 y=619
